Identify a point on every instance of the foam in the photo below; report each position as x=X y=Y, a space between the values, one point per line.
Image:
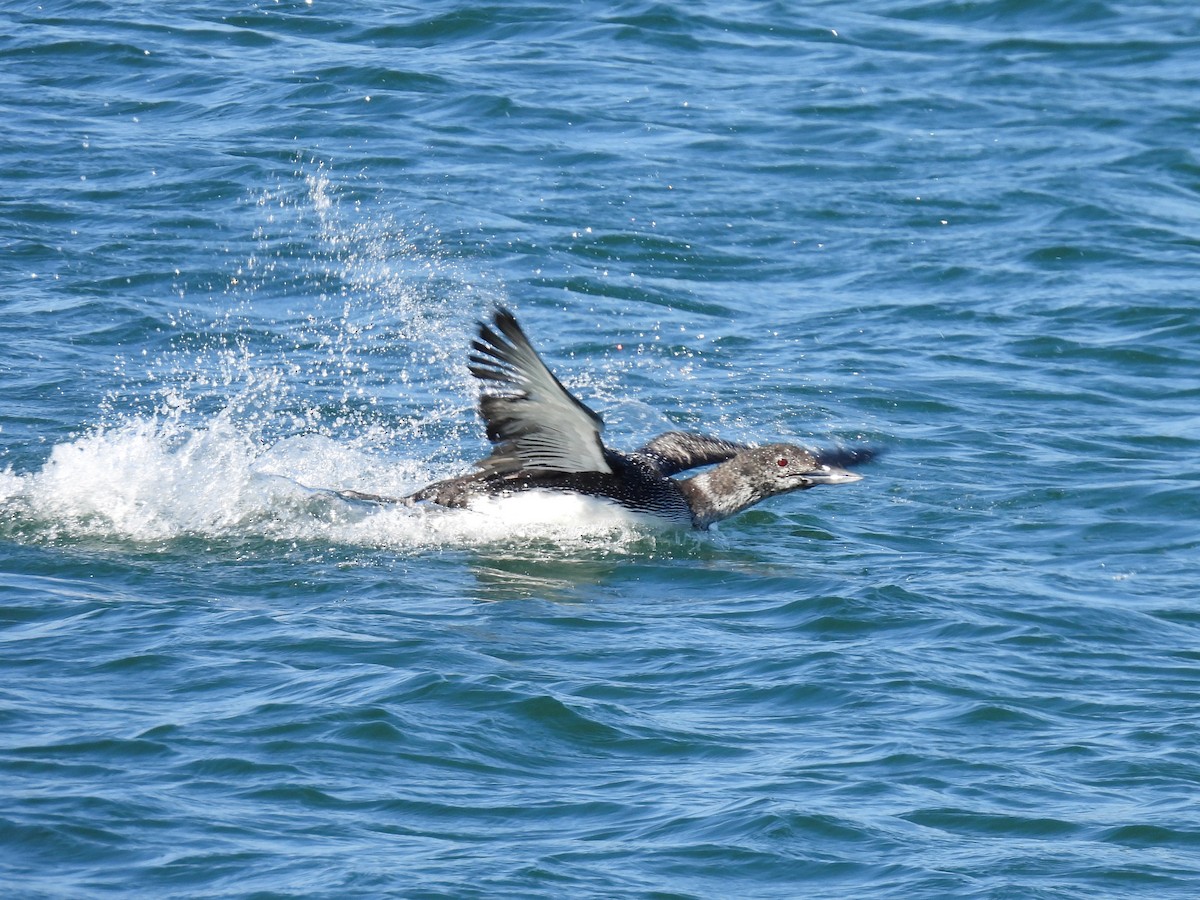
x=151 y=480
x=244 y=426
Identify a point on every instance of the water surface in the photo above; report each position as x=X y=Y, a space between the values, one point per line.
x=244 y=248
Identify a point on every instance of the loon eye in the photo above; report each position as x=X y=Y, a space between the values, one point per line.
x=782 y=461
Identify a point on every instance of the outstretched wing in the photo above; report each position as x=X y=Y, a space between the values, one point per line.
x=676 y=451
x=533 y=420
x=847 y=457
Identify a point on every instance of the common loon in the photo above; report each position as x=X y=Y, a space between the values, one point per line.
x=546 y=438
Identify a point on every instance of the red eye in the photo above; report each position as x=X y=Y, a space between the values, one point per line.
x=782 y=462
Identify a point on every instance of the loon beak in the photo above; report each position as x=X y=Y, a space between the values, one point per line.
x=831 y=475
x=832 y=466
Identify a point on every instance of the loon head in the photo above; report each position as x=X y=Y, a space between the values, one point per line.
x=782 y=468
x=757 y=473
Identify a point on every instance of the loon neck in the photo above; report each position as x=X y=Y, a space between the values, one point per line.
x=719 y=493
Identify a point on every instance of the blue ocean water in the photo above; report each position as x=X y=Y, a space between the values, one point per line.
x=243 y=248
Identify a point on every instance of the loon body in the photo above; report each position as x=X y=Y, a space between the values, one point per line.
x=546 y=438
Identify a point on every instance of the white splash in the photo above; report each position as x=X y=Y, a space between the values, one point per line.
x=154 y=480
x=245 y=426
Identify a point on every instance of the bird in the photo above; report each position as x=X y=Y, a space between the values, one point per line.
x=546 y=438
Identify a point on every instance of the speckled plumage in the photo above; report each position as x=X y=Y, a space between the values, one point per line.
x=546 y=438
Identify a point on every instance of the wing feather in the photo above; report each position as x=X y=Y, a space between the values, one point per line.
x=677 y=451
x=535 y=422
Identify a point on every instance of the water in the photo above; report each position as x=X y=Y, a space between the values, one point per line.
x=244 y=247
